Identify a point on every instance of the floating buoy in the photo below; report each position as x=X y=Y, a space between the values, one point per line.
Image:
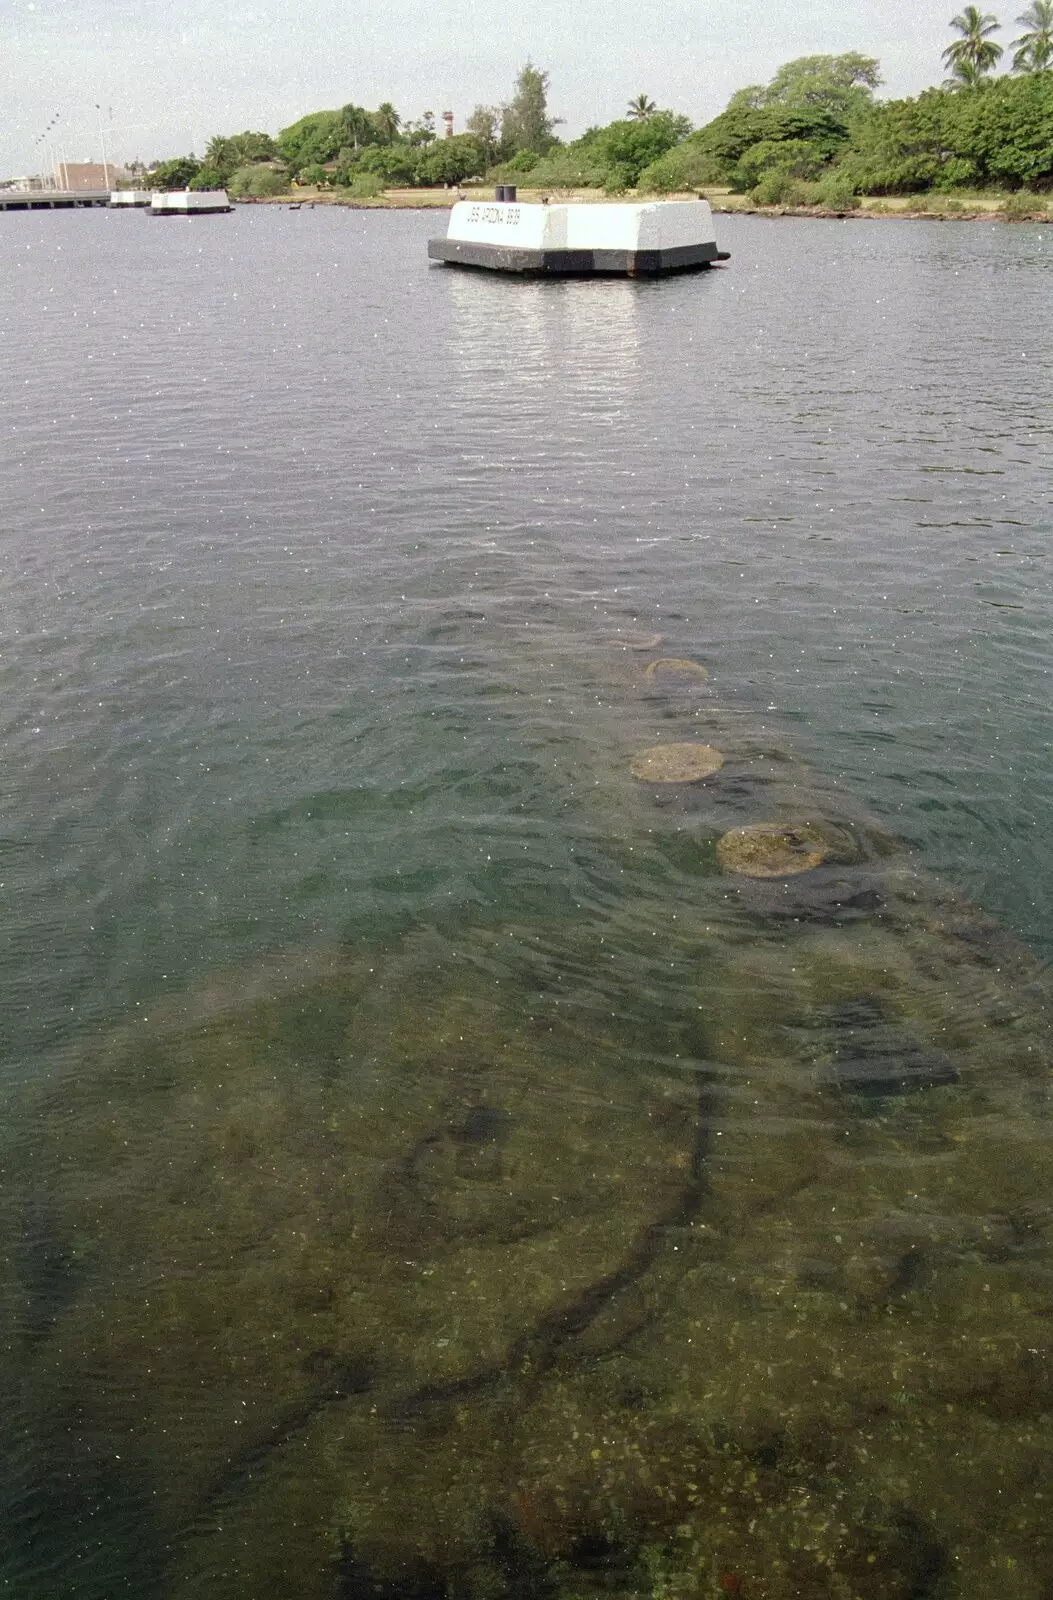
x=772 y=849
x=674 y=669
x=676 y=763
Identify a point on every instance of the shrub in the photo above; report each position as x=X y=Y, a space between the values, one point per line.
x=1018 y=207
x=874 y=175
x=779 y=188
x=955 y=173
x=685 y=167
x=316 y=175
x=397 y=163
x=834 y=190
x=522 y=161
x=207 y=178
x=258 y=182
x=366 y=186
x=563 y=168
x=624 y=149
x=800 y=158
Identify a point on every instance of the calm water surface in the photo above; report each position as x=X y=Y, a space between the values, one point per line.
x=433 y=1167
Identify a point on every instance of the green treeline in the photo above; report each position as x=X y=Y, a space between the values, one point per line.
x=815 y=134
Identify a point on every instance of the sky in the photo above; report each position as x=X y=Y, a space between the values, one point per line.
x=168 y=74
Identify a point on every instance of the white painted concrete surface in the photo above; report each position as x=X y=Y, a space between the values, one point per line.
x=188 y=200
x=656 y=225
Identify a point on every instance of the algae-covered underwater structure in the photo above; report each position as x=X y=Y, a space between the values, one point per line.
x=698 y=1247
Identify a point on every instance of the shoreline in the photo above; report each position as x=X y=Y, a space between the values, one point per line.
x=863 y=214
x=443 y=200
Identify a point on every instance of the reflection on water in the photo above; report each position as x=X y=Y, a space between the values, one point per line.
x=587 y=331
x=702 y=1245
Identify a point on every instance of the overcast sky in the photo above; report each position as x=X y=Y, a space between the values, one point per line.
x=171 y=73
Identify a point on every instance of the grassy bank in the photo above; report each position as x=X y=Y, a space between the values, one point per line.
x=965 y=206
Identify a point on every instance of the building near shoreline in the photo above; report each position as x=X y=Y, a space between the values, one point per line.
x=77 y=177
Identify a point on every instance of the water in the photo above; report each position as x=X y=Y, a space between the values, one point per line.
x=431 y=1171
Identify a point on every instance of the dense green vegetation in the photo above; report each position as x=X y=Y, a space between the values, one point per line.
x=815 y=134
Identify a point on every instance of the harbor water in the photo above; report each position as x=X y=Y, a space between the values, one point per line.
x=526 y=915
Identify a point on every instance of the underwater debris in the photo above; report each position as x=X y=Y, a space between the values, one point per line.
x=772 y=849
x=873 y=1056
x=639 y=641
x=674 y=670
x=676 y=763
x=518 y=1284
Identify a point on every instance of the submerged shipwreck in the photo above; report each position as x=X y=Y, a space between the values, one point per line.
x=700 y=1247
x=649 y=239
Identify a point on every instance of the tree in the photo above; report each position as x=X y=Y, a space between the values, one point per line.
x=315 y=139
x=622 y=150
x=525 y=122
x=484 y=125
x=422 y=131
x=208 y=178
x=737 y=129
x=998 y=132
x=387 y=122
x=751 y=98
x=842 y=84
x=971 y=57
x=358 y=127
x=641 y=109
x=178 y=173
x=452 y=160
x=1033 y=51
x=395 y=164
x=1008 y=131
x=795 y=158
x=225 y=155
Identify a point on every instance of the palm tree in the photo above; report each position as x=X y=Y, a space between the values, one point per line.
x=1033 y=52
x=356 y=125
x=642 y=110
x=971 y=57
x=387 y=122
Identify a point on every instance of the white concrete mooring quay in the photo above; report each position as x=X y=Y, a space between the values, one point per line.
x=638 y=239
x=52 y=199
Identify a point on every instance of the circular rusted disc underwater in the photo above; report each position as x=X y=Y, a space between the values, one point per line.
x=676 y=763
x=675 y=670
x=772 y=849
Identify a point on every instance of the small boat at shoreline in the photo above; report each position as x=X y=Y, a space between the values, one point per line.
x=638 y=240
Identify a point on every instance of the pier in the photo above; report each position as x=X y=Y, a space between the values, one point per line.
x=52 y=199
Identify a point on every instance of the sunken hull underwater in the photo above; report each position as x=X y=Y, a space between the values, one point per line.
x=579 y=240
x=698 y=1245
